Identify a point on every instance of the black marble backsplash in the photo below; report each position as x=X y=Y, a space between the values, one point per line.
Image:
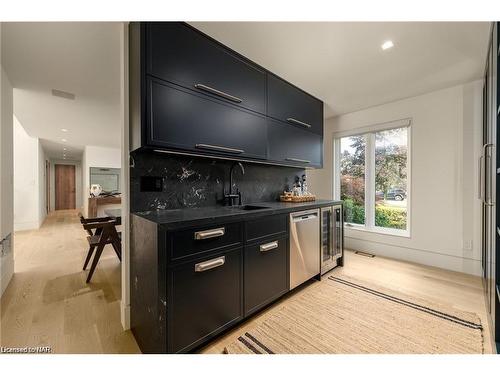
x=199 y=182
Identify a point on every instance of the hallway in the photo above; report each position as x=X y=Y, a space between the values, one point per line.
x=48 y=303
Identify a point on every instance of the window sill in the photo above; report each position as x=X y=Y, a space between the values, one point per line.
x=384 y=231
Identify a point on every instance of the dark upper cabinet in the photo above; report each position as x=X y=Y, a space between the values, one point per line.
x=189 y=93
x=287 y=103
x=178 y=53
x=186 y=120
x=294 y=146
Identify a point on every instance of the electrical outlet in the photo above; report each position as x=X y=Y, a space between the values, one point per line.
x=467 y=244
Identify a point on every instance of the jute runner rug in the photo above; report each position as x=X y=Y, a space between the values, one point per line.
x=345 y=315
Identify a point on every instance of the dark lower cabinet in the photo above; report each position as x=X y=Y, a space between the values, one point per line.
x=187 y=242
x=291 y=145
x=191 y=283
x=205 y=298
x=189 y=121
x=266 y=273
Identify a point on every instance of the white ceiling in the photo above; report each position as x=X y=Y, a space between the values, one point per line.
x=343 y=64
x=80 y=58
x=58 y=150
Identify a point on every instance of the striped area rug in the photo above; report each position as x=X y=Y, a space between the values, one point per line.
x=345 y=315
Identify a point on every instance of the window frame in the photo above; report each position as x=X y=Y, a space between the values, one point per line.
x=369 y=133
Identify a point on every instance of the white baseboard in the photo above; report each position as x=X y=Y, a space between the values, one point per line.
x=452 y=263
x=125 y=316
x=26 y=225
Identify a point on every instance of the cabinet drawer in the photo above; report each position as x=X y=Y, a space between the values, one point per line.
x=265 y=273
x=179 y=118
x=205 y=298
x=179 y=54
x=191 y=241
x=265 y=227
x=291 y=105
x=290 y=145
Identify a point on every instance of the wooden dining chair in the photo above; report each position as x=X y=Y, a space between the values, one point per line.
x=101 y=232
x=91 y=233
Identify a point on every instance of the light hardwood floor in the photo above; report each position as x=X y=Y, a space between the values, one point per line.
x=48 y=303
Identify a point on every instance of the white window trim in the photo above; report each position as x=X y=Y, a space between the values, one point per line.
x=369 y=132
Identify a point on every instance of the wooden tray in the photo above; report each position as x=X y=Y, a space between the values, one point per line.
x=294 y=199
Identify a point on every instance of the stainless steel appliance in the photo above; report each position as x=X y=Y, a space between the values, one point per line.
x=304 y=246
x=331 y=237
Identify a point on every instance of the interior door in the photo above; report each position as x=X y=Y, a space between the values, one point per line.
x=47 y=186
x=65 y=191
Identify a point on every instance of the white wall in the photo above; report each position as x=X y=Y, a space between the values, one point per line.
x=445 y=148
x=94 y=156
x=78 y=182
x=6 y=178
x=27 y=190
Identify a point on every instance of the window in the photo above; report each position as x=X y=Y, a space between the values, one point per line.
x=391 y=156
x=352 y=178
x=372 y=178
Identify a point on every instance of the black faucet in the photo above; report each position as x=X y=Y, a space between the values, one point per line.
x=231 y=196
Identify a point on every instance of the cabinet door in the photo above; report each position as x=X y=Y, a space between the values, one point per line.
x=181 y=119
x=290 y=104
x=205 y=299
x=265 y=273
x=180 y=54
x=288 y=144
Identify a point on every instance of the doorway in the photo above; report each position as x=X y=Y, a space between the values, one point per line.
x=47 y=186
x=65 y=187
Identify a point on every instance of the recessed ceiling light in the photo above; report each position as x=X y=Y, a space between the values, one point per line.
x=387 y=45
x=64 y=148
x=64 y=130
x=64 y=140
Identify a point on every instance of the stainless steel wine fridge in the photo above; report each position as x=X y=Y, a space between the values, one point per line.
x=332 y=247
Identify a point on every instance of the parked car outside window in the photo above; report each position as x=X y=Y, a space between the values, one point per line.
x=396 y=194
x=392 y=195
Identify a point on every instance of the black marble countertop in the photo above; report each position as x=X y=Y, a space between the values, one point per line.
x=172 y=219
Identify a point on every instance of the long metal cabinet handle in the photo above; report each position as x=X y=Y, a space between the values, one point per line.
x=219 y=148
x=298 y=122
x=222 y=94
x=304 y=217
x=209 y=264
x=486 y=199
x=211 y=233
x=268 y=246
x=480 y=182
x=298 y=160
